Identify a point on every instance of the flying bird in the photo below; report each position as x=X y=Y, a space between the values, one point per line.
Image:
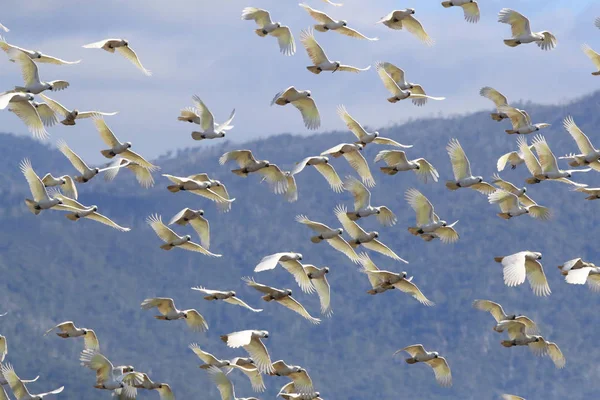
x=398 y=76
x=364 y=137
x=322 y=166
x=207 y=358
x=361 y=237
x=521 y=121
x=548 y=161
x=594 y=193
x=251 y=341
x=332 y=236
x=463 y=178
x=172 y=239
x=36 y=56
x=283 y=297
x=31 y=77
x=592 y=55
x=68 y=329
x=142 y=174
x=362 y=204
x=511 y=397
x=589 y=274
x=403 y=19
x=201 y=115
x=535 y=168
x=18 y=387
x=511 y=206
x=537 y=344
x=117 y=147
x=3 y=347
x=589 y=155
x=396 y=162
x=82 y=211
x=109 y=377
x=246 y=365
x=229 y=297
x=351 y=152
x=319 y=58
x=514 y=158
x=398 y=93
x=440 y=366
x=122 y=47
x=291 y=263
x=576 y=263
x=224 y=385
x=521 y=31
x=71 y=115
x=382 y=281
x=199 y=187
x=248 y=164
x=22 y=105
x=499 y=315
x=326 y=23
x=302 y=100
x=318 y=277
x=429 y=225
x=470 y=8
x=499 y=100
x=195 y=218
x=525 y=264
x=41 y=198
x=299 y=376
x=266 y=26
x=166 y=306
x=77 y=162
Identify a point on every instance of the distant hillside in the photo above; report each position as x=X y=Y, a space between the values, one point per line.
x=53 y=270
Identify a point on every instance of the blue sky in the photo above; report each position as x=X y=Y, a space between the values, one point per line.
x=202 y=47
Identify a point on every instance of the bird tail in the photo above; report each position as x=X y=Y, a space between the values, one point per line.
x=596 y=73
x=197 y=136
x=320 y=28
x=393 y=100
x=447 y=4
x=267 y=297
x=68 y=121
x=452 y=185
x=511 y=42
x=31 y=205
x=591 y=198
x=532 y=180
x=72 y=216
x=353 y=216
x=316 y=239
x=427 y=237
x=507 y=343
x=314 y=69
x=511 y=131
x=414 y=230
x=62 y=335
x=372 y=292
x=574 y=163
x=167 y=246
x=565 y=273
x=161 y=317
x=353 y=244
x=411 y=360
x=224 y=338
x=240 y=172
x=497 y=116
x=389 y=170
x=260 y=32
x=504 y=215
x=173 y=188
x=107 y=153
x=205 y=366
x=209 y=298
x=79 y=179
x=498 y=259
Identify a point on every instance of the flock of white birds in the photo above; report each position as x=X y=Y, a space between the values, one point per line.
x=60 y=193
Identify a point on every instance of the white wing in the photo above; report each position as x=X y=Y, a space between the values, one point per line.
x=130 y=55
x=460 y=163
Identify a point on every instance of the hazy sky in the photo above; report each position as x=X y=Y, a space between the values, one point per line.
x=202 y=47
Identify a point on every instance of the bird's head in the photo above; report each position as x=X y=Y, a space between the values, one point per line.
x=75 y=112
x=378 y=211
x=538 y=256
x=359 y=146
x=524 y=190
x=337 y=66
x=128 y=144
x=404 y=274
x=267 y=164
x=340 y=231
x=49 y=86
x=85 y=331
x=278 y=24
x=326 y=160
x=263 y=334
x=326 y=270
x=568 y=175
x=222 y=134
x=37 y=54
x=512 y=317
x=436 y=354
x=537 y=338
x=479 y=179
x=124 y=42
x=187 y=238
x=251 y=361
x=63 y=181
x=344 y=22
x=288 y=292
x=411 y=10
x=200 y=213
x=30 y=97
x=376 y=134
x=537 y=128
x=527 y=211
x=231 y=293
x=60 y=202
x=185 y=315
x=375 y=235
x=308 y=93
x=444 y=223
x=94 y=208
